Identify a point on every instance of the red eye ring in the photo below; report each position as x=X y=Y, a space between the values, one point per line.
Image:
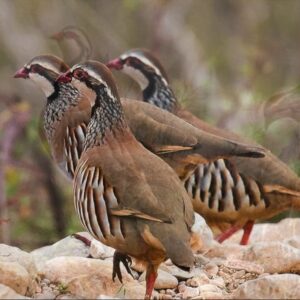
x=79 y=74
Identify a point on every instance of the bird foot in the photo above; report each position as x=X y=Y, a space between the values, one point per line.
x=247 y=231
x=126 y=261
x=227 y=234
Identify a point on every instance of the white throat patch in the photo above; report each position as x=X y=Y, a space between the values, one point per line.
x=137 y=75
x=43 y=83
x=140 y=78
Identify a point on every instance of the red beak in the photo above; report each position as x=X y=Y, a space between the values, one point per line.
x=115 y=64
x=22 y=73
x=65 y=77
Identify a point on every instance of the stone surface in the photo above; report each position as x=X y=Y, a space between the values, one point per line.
x=99 y=250
x=211 y=269
x=180 y=274
x=164 y=280
x=285 y=229
x=14 y=254
x=270 y=256
x=15 y=276
x=86 y=278
x=8 y=293
x=19 y=264
x=133 y=290
x=68 y=246
x=283 y=286
x=250 y=267
x=198 y=280
x=190 y=292
x=226 y=251
x=202 y=235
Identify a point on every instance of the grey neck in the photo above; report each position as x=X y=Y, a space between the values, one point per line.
x=159 y=94
x=65 y=97
x=107 y=118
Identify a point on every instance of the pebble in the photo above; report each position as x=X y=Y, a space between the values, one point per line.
x=181 y=288
x=45 y=295
x=165 y=296
x=209 y=288
x=218 y=281
x=170 y=292
x=211 y=269
x=190 y=292
x=197 y=281
x=239 y=274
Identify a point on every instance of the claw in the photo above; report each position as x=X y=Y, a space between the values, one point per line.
x=117 y=259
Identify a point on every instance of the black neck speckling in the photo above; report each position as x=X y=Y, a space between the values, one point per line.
x=107 y=117
x=64 y=96
x=159 y=93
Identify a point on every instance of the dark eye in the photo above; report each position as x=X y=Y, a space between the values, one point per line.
x=79 y=74
x=34 y=68
x=132 y=60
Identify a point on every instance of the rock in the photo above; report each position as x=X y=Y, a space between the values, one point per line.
x=106 y=297
x=247 y=266
x=225 y=251
x=190 y=292
x=83 y=277
x=209 y=288
x=210 y=295
x=8 y=293
x=293 y=241
x=99 y=250
x=202 y=235
x=283 y=286
x=180 y=274
x=133 y=290
x=45 y=295
x=14 y=254
x=68 y=246
x=270 y=256
x=70 y=296
x=164 y=280
x=285 y=229
x=218 y=281
x=19 y=264
x=198 y=280
x=15 y=276
x=211 y=269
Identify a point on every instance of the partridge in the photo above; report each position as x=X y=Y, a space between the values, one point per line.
x=230 y=193
x=68 y=111
x=125 y=196
x=74 y=44
x=67 y=114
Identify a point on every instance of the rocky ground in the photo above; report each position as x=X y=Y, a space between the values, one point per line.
x=267 y=268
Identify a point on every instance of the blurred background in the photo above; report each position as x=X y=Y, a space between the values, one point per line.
x=234 y=63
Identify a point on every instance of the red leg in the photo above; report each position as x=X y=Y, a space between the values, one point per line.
x=227 y=234
x=151 y=276
x=247 y=231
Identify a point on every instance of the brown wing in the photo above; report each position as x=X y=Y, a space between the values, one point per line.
x=142 y=181
x=156 y=128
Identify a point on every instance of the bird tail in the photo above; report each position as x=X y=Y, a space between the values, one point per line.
x=292 y=195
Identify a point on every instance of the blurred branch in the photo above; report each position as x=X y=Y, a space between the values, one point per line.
x=17 y=118
x=55 y=195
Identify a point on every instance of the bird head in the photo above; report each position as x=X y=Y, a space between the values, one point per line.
x=43 y=70
x=91 y=78
x=141 y=65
